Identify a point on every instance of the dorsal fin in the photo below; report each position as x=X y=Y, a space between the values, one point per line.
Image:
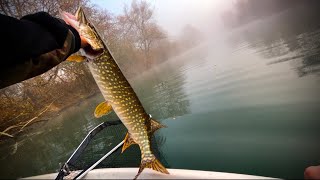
x=155 y=125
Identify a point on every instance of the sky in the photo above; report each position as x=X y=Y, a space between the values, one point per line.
x=173 y=15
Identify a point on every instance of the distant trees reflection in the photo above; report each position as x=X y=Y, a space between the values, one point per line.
x=292 y=35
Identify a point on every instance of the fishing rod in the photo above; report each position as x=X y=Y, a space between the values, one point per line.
x=82 y=174
x=65 y=171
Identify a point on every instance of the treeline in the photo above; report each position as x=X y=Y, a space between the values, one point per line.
x=135 y=39
x=245 y=11
x=291 y=36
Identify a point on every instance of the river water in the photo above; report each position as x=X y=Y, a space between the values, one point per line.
x=244 y=102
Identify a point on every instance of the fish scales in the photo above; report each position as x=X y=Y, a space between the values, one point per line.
x=117 y=90
x=118 y=93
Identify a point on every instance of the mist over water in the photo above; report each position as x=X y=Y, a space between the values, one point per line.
x=202 y=14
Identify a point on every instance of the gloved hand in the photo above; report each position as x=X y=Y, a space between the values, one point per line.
x=72 y=21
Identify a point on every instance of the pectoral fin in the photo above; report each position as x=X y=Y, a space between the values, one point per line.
x=128 y=141
x=76 y=58
x=102 y=109
x=155 y=125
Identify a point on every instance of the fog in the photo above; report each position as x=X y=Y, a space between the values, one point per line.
x=173 y=15
x=203 y=14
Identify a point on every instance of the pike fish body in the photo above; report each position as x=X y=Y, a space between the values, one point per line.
x=119 y=96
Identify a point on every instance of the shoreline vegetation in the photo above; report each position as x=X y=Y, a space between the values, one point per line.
x=135 y=39
x=52 y=110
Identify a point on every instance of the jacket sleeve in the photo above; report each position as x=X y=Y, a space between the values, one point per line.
x=33 y=45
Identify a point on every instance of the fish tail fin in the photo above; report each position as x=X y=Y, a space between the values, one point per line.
x=153 y=163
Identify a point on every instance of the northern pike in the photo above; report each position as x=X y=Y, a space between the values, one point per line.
x=118 y=94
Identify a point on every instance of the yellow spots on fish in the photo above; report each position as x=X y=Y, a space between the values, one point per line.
x=116 y=86
x=117 y=108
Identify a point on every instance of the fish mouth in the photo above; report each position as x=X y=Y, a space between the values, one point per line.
x=87 y=31
x=93 y=44
x=91 y=53
x=81 y=17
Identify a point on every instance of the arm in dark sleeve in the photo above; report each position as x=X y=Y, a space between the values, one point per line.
x=33 y=45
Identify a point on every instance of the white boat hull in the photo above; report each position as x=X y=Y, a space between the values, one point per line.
x=129 y=173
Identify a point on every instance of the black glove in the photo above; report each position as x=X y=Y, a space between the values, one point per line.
x=57 y=27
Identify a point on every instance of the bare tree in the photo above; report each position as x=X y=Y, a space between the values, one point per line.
x=134 y=38
x=190 y=36
x=143 y=27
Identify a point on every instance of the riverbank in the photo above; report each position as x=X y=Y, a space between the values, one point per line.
x=19 y=126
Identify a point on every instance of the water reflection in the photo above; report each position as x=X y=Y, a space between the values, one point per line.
x=43 y=148
x=162 y=93
x=165 y=98
x=290 y=36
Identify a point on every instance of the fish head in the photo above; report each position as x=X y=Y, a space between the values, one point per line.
x=89 y=33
